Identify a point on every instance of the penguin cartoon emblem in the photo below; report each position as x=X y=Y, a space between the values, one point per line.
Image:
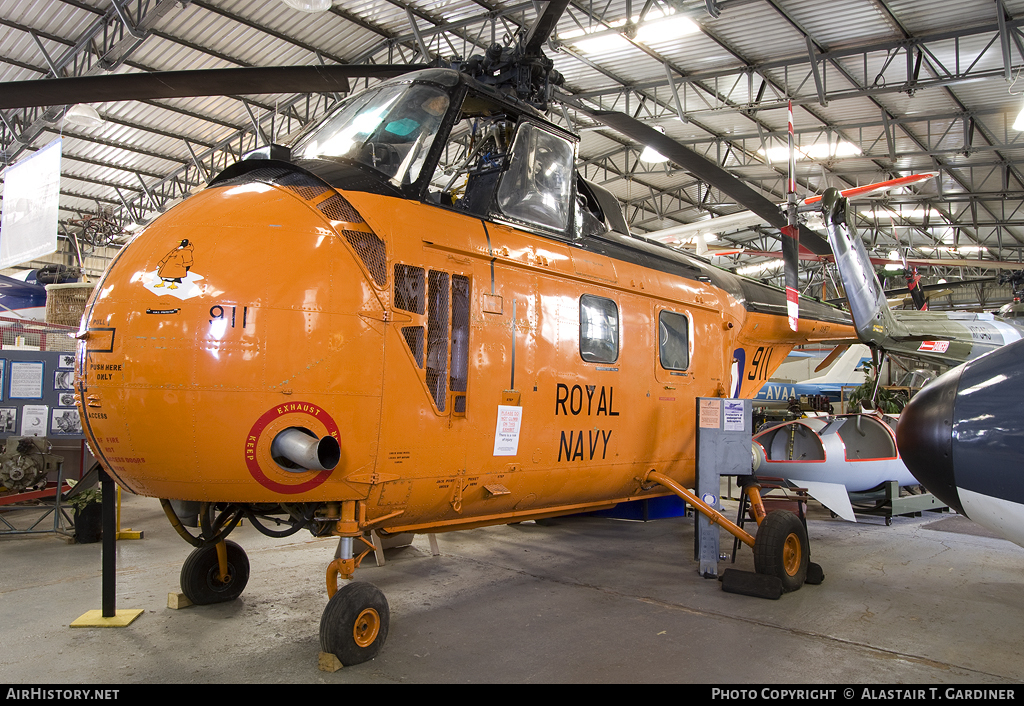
x=174 y=275
x=175 y=265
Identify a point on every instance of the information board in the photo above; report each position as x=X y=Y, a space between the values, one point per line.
x=37 y=396
x=724 y=433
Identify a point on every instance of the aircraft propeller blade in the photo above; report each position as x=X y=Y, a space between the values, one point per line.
x=746 y=218
x=877 y=187
x=914 y=285
x=199 y=82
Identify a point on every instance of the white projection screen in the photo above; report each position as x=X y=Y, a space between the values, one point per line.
x=28 y=224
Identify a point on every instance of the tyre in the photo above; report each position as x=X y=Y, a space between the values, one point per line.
x=781 y=549
x=354 y=624
x=200 y=575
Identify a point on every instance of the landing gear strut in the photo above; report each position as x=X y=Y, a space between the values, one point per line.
x=355 y=622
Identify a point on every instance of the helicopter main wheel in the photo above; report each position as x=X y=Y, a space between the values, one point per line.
x=200 y=575
x=354 y=624
x=781 y=549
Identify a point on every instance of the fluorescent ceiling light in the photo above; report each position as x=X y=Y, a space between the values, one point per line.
x=602 y=45
x=1018 y=124
x=651 y=155
x=953 y=248
x=657 y=27
x=820 y=150
x=905 y=213
x=760 y=267
x=666 y=29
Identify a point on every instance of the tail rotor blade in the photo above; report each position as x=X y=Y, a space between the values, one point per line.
x=791 y=238
x=790 y=259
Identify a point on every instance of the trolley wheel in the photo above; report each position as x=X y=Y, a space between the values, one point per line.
x=200 y=575
x=354 y=624
x=781 y=549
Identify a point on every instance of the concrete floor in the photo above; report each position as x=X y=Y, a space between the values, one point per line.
x=575 y=600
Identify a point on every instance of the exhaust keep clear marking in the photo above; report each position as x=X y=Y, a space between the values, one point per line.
x=252 y=441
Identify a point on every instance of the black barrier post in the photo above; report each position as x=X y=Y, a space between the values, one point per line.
x=109 y=546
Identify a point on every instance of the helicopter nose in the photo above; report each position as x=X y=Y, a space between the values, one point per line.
x=925 y=438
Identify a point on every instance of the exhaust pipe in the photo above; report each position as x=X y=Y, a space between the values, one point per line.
x=297 y=450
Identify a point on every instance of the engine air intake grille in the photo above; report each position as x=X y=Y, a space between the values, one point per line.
x=414 y=339
x=337 y=208
x=409 y=288
x=437 y=337
x=371 y=250
x=443 y=354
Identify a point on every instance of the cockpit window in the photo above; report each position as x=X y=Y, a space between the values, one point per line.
x=389 y=129
x=537 y=186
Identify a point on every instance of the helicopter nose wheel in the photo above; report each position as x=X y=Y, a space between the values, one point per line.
x=354 y=624
x=201 y=579
x=781 y=549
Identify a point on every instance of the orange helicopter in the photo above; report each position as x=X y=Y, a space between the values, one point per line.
x=347 y=335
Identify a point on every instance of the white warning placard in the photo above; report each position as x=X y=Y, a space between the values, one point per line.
x=506 y=434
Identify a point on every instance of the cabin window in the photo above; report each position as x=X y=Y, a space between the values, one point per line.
x=673 y=341
x=599 y=329
x=537 y=186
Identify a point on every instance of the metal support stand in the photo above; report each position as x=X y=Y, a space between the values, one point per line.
x=62 y=523
x=108 y=616
x=888 y=503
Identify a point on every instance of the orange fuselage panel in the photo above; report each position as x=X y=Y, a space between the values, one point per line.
x=252 y=308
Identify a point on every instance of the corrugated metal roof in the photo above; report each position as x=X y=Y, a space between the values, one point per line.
x=732 y=77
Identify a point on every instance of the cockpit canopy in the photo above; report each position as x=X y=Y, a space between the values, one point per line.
x=438 y=136
x=389 y=128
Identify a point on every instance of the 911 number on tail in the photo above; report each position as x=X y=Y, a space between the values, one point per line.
x=760 y=363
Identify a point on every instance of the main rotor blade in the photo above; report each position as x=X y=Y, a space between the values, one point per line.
x=706 y=170
x=182 y=84
x=544 y=25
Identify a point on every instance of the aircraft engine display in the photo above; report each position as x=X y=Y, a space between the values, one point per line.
x=25 y=463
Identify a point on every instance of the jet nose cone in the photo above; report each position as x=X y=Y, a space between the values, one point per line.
x=925 y=437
